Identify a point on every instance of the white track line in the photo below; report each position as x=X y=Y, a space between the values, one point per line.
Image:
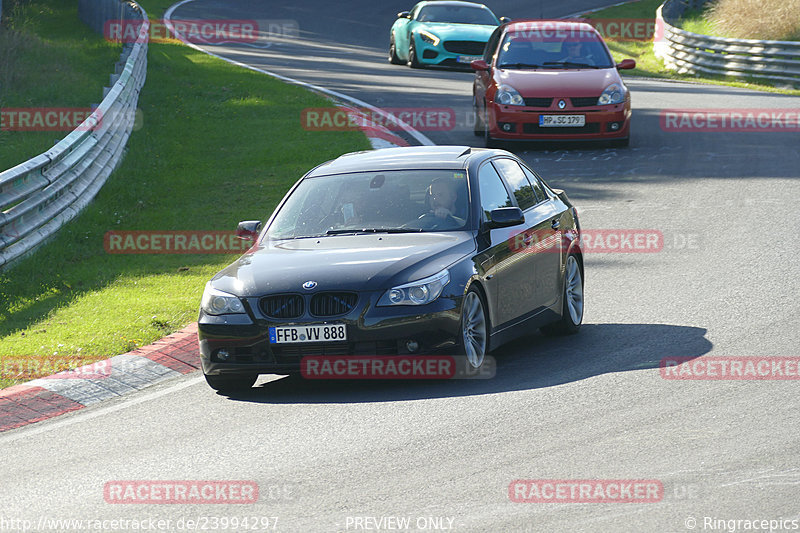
x=81 y=416
x=422 y=139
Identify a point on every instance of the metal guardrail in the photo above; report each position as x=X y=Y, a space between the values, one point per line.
x=687 y=52
x=39 y=196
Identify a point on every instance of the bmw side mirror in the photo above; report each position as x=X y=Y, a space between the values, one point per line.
x=479 y=65
x=504 y=217
x=626 y=64
x=404 y=15
x=504 y=20
x=248 y=230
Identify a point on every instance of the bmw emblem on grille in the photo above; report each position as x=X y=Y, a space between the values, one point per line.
x=562 y=104
x=308 y=285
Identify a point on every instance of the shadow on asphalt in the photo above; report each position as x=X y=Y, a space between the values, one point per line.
x=530 y=363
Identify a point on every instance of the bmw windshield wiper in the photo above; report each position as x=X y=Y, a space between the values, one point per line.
x=519 y=65
x=570 y=63
x=372 y=230
x=293 y=237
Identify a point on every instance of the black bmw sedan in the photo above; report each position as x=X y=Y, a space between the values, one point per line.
x=416 y=251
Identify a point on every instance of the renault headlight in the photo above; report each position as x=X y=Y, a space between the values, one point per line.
x=216 y=302
x=613 y=94
x=419 y=292
x=507 y=95
x=428 y=37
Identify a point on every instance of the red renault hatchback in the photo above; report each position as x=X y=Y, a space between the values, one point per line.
x=550 y=80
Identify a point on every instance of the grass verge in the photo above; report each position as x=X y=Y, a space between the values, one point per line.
x=48 y=58
x=648 y=65
x=776 y=20
x=218 y=144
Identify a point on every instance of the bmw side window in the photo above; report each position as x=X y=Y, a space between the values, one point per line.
x=523 y=190
x=493 y=192
x=537 y=185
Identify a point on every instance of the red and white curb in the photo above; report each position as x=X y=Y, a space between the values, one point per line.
x=48 y=397
x=175 y=354
x=379 y=136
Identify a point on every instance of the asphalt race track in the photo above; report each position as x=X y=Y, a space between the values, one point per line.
x=588 y=407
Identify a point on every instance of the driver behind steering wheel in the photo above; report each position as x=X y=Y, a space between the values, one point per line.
x=442 y=201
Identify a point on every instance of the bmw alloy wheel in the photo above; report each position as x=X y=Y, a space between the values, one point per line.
x=573 y=292
x=473 y=329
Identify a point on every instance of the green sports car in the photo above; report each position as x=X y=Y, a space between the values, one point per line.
x=441 y=33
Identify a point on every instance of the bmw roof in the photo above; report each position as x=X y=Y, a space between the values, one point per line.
x=408 y=157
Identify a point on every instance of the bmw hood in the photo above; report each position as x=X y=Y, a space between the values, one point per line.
x=558 y=82
x=342 y=262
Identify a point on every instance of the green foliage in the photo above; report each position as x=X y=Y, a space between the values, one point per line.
x=218 y=144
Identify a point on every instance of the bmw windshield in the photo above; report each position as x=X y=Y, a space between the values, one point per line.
x=374 y=202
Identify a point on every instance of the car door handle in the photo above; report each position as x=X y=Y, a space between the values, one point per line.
x=555 y=224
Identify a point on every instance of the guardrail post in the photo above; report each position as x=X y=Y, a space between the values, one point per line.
x=39 y=196
x=683 y=51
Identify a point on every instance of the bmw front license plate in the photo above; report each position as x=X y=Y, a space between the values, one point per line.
x=561 y=121
x=467 y=59
x=292 y=334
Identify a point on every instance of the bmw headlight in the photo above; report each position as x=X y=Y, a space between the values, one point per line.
x=613 y=94
x=428 y=37
x=216 y=302
x=419 y=292
x=507 y=95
